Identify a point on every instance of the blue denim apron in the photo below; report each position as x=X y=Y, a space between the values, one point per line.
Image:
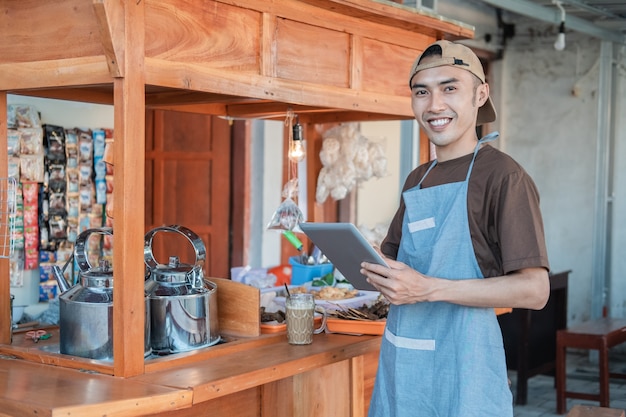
x=440 y=359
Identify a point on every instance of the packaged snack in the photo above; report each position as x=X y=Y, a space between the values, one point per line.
x=13 y=142
x=25 y=116
x=84 y=174
x=57 y=228
x=57 y=204
x=101 y=191
x=73 y=180
x=31 y=141
x=73 y=204
x=54 y=141
x=14 y=167
x=85 y=147
x=30 y=193
x=32 y=168
x=98 y=143
x=56 y=179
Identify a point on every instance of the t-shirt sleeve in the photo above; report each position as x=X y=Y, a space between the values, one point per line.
x=520 y=225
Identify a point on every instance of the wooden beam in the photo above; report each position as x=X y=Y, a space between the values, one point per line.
x=110 y=19
x=128 y=211
x=70 y=72
x=201 y=78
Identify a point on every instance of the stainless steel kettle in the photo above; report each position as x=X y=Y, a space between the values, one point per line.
x=183 y=305
x=86 y=309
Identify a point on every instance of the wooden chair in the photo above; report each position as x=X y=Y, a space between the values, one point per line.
x=601 y=334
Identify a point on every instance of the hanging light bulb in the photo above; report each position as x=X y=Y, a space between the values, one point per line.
x=559 y=45
x=296 y=146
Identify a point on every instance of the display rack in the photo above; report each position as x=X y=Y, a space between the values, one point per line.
x=8 y=204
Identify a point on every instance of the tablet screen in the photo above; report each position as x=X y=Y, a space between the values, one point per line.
x=344 y=245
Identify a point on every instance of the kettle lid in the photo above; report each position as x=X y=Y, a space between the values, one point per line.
x=98 y=277
x=173 y=272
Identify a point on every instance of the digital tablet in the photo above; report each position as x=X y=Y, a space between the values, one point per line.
x=344 y=245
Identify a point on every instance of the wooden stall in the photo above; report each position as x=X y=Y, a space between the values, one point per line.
x=327 y=60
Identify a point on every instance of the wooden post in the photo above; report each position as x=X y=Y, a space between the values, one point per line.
x=128 y=213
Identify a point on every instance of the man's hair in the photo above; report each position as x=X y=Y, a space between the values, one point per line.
x=432 y=50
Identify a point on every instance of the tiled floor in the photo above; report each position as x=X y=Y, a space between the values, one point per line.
x=582 y=375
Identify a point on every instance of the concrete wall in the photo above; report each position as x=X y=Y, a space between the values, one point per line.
x=549 y=123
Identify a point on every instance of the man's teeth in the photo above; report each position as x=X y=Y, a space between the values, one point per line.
x=439 y=122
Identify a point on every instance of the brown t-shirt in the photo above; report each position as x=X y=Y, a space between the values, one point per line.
x=503 y=211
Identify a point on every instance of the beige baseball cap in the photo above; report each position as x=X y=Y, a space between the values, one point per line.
x=457 y=55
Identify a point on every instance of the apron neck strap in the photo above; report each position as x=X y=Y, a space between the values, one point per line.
x=487 y=138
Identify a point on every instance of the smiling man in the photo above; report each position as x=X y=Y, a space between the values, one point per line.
x=467 y=237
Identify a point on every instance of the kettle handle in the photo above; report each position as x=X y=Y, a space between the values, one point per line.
x=79 y=249
x=194 y=239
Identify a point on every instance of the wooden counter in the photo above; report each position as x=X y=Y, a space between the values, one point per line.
x=261 y=376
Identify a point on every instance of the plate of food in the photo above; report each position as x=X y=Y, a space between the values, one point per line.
x=332 y=298
x=366 y=319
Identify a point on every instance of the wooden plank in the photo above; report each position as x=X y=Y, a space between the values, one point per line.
x=330 y=399
x=208 y=32
x=241 y=404
x=368 y=18
x=395 y=16
x=34 y=30
x=277 y=398
x=391 y=60
x=267 y=47
x=202 y=78
x=235 y=302
x=47 y=352
x=110 y=19
x=356 y=62
x=315 y=55
x=128 y=212
x=34 y=389
x=251 y=367
x=15 y=76
x=357 y=387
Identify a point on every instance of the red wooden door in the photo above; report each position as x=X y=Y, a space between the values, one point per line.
x=188 y=183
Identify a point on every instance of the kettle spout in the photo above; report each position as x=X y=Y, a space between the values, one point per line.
x=60 y=277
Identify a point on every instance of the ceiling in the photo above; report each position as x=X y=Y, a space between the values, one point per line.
x=604 y=19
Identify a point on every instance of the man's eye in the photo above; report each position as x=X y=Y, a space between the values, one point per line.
x=449 y=88
x=419 y=92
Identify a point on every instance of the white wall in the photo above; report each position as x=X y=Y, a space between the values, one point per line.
x=68 y=113
x=378 y=198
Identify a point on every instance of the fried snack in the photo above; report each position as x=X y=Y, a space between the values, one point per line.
x=334 y=293
x=327 y=293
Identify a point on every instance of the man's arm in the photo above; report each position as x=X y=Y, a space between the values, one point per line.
x=400 y=284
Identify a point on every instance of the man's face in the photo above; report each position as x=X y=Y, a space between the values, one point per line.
x=445 y=101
